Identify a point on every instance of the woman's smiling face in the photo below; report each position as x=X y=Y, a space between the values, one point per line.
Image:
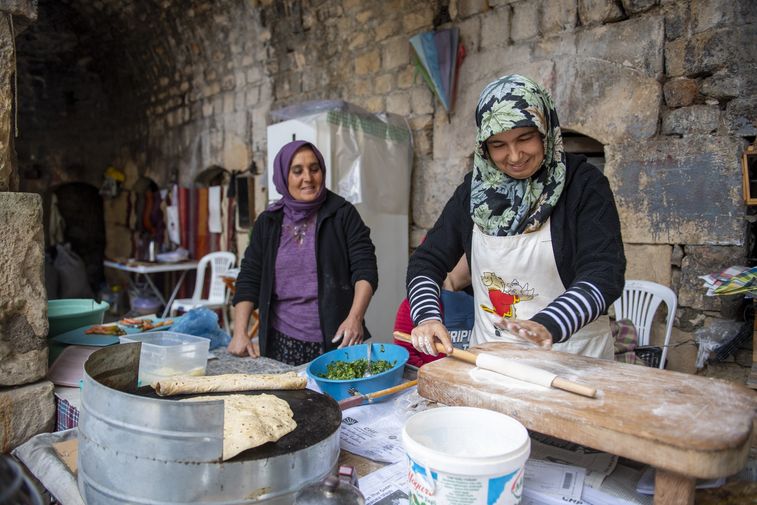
x=305 y=175
x=518 y=153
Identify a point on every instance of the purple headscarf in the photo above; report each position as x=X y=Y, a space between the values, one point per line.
x=295 y=209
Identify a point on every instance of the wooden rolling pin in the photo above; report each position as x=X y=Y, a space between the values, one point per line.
x=510 y=368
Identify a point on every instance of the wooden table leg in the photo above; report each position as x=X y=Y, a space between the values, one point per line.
x=672 y=488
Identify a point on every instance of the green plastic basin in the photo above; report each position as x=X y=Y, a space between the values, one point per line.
x=71 y=313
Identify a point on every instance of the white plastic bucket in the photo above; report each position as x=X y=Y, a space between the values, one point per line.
x=465 y=456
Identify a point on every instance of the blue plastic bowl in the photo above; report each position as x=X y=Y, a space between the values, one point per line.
x=70 y=313
x=339 y=389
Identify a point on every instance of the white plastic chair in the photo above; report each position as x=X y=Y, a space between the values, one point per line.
x=639 y=302
x=220 y=264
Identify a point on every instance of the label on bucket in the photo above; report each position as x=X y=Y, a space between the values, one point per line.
x=448 y=489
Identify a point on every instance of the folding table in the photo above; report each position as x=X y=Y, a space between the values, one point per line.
x=147 y=269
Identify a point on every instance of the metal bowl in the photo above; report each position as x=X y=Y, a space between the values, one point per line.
x=340 y=389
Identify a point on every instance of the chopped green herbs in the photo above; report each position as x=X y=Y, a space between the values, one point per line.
x=345 y=370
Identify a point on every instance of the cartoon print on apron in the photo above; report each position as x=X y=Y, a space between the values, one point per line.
x=515 y=277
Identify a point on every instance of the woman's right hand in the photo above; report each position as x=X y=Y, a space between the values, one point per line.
x=241 y=345
x=425 y=334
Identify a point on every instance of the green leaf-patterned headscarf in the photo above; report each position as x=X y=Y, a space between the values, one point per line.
x=501 y=205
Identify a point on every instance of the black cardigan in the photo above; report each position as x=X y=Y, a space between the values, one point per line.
x=344 y=255
x=586 y=241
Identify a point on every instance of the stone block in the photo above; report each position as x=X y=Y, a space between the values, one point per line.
x=23 y=299
x=525 y=22
x=386 y=29
x=637 y=6
x=676 y=15
x=599 y=11
x=682 y=353
x=396 y=53
x=383 y=84
x=731 y=82
x=25 y=411
x=555 y=46
x=702 y=260
x=365 y=16
x=420 y=122
x=709 y=51
x=422 y=100
x=635 y=43
x=495 y=29
x=252 y=96
x=423 y=141
x=368 y=63
x=558 y=15
x=664 y=190
x=362 y=87
x=434 y=183
x=398 y=103
x=648 y=262
x=372 y=104
x=680 y=92
x=471 y=34
x=467 y=8
x=407 y=77
x=417 y=20
x=254 y=74
x=21 y=368
x=689 y=120
x=708 y=14
x=606 y=100
x=741 y=116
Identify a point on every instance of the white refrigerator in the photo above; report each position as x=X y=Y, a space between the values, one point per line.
x=368 y=162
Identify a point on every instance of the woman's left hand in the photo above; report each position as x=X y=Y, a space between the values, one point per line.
x=527 y=330
x=350 y=332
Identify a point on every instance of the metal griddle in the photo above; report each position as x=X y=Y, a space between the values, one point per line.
x=174 y=449
x=317 y=416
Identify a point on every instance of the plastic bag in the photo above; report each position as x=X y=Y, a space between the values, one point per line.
x=72 y=274
x=411 y=403
x=711 y=337
x=202 y=322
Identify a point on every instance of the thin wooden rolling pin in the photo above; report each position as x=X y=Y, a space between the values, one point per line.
x=510 y=368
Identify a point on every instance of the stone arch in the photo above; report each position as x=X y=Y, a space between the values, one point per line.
x=81 y=207
x=577 y=143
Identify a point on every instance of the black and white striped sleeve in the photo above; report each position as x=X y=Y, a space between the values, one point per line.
x=424 y=295
x=571 y=311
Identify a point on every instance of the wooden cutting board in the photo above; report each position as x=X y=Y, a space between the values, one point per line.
x=688 y=425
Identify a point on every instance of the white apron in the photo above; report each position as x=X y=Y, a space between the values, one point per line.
x=515 y=277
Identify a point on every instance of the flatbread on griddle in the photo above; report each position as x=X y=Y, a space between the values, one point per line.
x=251 y=420
x=186 y=384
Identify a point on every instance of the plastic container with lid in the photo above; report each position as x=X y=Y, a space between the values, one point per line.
x=167 y=353
x=465 y=455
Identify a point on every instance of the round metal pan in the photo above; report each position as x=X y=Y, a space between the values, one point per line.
x=136 y=447
x=317 y=416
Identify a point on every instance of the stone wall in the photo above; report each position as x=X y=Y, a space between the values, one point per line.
x=667 y=86
x=26 y=399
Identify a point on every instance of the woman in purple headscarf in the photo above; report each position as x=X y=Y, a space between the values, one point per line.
x=310 y=268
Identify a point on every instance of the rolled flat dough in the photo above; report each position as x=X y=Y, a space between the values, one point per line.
x=185 y=384
x=251 y=420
